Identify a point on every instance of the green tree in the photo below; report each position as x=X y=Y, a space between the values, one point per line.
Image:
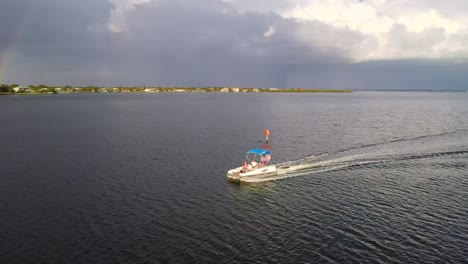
x=4 y=88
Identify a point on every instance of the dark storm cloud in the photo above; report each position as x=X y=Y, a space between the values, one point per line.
x=386 y=74
x=217 y=45
x=47 y=30
x=163 y=43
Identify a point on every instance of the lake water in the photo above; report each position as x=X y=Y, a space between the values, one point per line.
x=141 y=178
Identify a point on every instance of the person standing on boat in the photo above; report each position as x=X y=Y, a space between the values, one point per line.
x=265 y=159
x=246 y=167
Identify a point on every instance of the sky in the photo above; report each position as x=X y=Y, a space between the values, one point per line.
x=340 y=44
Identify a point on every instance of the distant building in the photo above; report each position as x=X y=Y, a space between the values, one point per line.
x=150 y=90
x=224 y=90
x=23 y=89
x=235 y=89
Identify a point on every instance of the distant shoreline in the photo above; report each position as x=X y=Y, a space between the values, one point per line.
x=24 y=93
x=208 y=90
x=20 y=90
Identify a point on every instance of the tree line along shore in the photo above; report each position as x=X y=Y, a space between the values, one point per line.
x=43 y=89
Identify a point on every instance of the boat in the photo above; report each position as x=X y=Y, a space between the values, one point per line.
x=257 y=165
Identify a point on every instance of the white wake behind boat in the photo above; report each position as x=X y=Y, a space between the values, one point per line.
x=256 y=166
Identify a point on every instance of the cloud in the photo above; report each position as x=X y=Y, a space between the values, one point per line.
x=306 y=43
x=120 y=8
x=211 y=40
x=385 y=74
x=269 y=32
x=49 y=29
x=377 y=20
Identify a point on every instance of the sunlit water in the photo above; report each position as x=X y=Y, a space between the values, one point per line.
x=376 y=177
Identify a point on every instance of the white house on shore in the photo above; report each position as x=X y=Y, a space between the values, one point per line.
x=229 y=89
x=150 y=90
x=23 y=89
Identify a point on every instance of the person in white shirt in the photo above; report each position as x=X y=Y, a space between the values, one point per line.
x=254 y=164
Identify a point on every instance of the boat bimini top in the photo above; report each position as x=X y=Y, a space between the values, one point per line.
x=259 y=151
x=260 y=156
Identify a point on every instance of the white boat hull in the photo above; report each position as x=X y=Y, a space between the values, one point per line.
x=253 y=175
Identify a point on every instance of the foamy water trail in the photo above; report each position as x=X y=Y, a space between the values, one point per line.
x=394 y=151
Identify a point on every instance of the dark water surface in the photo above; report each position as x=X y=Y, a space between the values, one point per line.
x=141 y=178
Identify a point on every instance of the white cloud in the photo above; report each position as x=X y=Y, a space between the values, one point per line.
x=391 y=29
x=117 y=21
x=269 y=32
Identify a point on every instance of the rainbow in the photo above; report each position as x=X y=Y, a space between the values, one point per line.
x=7 y=53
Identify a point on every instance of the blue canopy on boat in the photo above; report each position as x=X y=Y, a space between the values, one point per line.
x=259 y=151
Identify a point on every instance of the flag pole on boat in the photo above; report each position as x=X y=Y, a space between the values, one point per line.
x=267 y=133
